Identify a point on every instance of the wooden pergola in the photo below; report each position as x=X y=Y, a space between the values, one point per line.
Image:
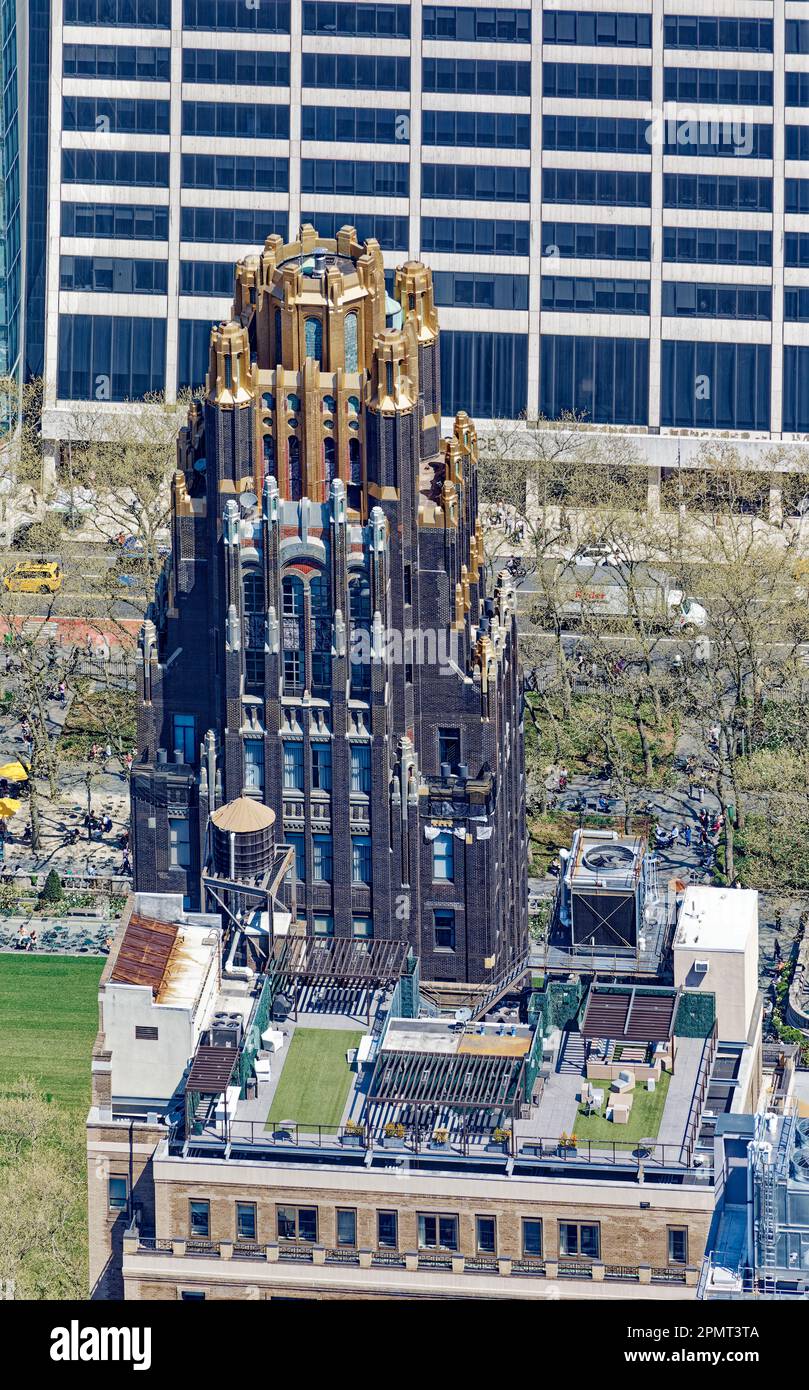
x=339 y=962
x=459 y=1081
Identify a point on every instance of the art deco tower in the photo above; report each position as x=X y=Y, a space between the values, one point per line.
x=324 y=642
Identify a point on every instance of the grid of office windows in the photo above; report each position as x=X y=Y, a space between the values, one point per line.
x=472 y=25
x=732 y=35
x=715 y=385
x=752 y=88
x=621 y=81
x=139 y=168
x=102 y=357
x=691 y=138
x=113 y=274
x=717 y=246
x=145 y=14
x=476 y=236
x=121 y=221
x=358 y=178
x=796 y=303
x=477 y=129
x=594 y=241
x=471 y=289
x=483 y=76
x=484 y=183
x=606 y=134
x=587 y=295
x=604 y=379
x=119 y=115
x=796 y=248
x=108 y=60
x=356 y=21
x=269 y=17
x=359 y=125
x=192 y=354
x=390 y=232
x=206 y=277
x=796 y=389
x=724 y=192
x=248 y=119
x=484 y=373
x=356 y=72
x=243 y=225
x=265 y=173
x=684 y=299
x=796 y=33
x=590 y=30
x=247 y=67
x=618 y=188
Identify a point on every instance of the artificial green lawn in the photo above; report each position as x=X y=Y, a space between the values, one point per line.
x=48 y=1021
x=644 y=1117
x=315 y=1080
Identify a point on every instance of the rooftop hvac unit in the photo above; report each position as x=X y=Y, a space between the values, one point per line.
x=604 y=880
x=226 y=1031
x=802 y=1134
x=700 y=967
x=799 y=1166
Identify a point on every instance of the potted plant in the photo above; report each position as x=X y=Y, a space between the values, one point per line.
x=567 y=1143
x=393 y=1133
x=501 y=1137
x=353 y=1134
x=440 y=1137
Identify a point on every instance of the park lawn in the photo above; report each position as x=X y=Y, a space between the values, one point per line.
x=316 y=1079
x=48 y=1022
x=644 y=1117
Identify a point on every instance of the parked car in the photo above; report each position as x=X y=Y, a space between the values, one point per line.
x=34 y=577
x=591 y=556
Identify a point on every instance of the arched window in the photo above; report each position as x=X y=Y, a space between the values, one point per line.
x=278 y=337
x=329 y=405
x=313 y=337
x=354 y=462
x=329 y=456
x=253 y=590
x=353 y=405
x=321 y=636
x=294 y=479
x=351 y=357
x=268 y=401
x=293 y=404
x=359 y=602
x=293 y=636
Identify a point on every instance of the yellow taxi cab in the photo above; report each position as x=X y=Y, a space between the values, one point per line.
x=34 y=577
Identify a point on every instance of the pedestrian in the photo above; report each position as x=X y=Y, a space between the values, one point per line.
x=108 y=752
x=126 y=867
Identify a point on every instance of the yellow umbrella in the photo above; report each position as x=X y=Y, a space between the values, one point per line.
x=13 y=772
x=8 y=807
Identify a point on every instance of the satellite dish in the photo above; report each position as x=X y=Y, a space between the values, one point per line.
x=248 y=501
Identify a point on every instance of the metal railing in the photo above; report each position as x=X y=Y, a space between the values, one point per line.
x=504 y=1266
x=254 y=1139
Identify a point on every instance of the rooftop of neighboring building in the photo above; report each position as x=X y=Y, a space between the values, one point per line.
x=717 y=919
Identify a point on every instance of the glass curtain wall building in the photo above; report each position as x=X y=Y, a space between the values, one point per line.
x=614 y=201
x=10 y=200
